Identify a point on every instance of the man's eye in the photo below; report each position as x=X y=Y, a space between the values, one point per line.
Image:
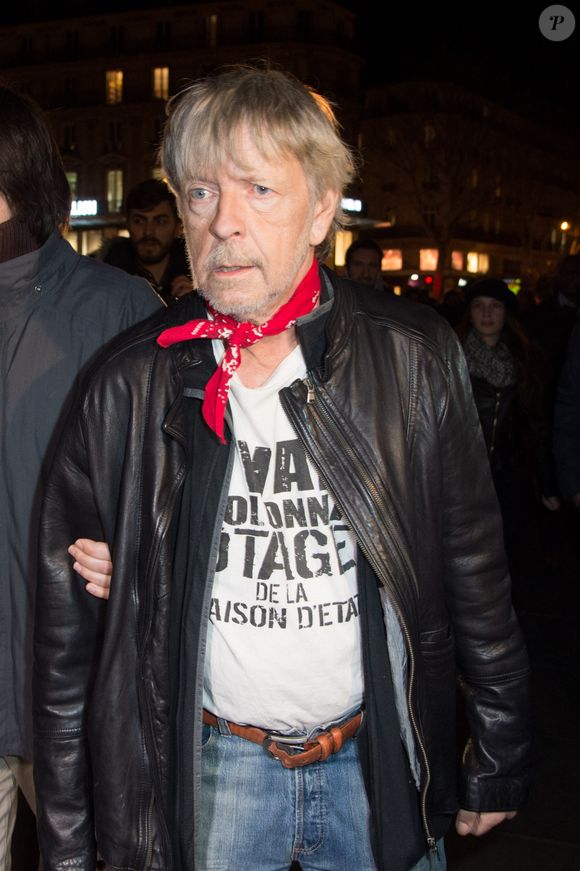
x=261 y=189
x=198 y=194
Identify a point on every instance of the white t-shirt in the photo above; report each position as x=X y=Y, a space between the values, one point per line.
x=284 y=649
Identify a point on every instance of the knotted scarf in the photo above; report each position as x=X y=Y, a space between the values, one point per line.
x=238 y=335
x=494 y=364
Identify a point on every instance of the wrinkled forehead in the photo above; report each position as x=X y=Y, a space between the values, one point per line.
x=210 y=150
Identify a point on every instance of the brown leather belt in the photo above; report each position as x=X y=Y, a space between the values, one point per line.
x=317 y=749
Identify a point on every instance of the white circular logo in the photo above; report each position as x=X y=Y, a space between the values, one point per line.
x=557 y=23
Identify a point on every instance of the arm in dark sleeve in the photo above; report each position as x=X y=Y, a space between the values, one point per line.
x=491 y=656
x=69 y=626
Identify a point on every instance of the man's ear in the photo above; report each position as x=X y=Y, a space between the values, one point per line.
x=324 y=211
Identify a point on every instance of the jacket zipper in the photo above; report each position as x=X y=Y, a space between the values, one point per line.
x=321 y=412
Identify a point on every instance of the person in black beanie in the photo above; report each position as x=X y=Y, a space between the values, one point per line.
x=57 y=309
x=506 y=370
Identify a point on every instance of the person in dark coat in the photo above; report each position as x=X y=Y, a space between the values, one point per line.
x=290 y=472
x=507 y=379
x=567 y=423
x=57 y=309
x=550 y=323
x=155 y=248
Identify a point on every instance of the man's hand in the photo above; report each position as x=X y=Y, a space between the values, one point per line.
x=181 y=285
x=93 y=563
x=472 y=823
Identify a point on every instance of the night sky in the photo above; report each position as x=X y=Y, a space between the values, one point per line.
x=491 y=48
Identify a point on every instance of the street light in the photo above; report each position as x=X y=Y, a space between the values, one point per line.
x=563 y=227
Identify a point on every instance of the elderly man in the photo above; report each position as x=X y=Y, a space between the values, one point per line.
x=306 y=546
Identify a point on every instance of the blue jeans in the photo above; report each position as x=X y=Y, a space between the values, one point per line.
x=258 y=816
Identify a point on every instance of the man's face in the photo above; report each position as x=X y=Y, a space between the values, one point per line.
x=365 y=267
x=152 y=232
x=251 y=227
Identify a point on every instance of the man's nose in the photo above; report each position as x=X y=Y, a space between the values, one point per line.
x=229 y=217
x=150 y=228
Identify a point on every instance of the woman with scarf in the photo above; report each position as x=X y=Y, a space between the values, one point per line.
x=507 y=377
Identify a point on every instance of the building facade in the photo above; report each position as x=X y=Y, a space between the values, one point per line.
x=451 y=185
x=457 y=186
x=105 y=81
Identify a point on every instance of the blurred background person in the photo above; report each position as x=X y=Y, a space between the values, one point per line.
x=567 y=423
x=363 y=264
x=452 y=306
x=57 y=309
x=550 y=323
x=155 y=248
x=506 y=371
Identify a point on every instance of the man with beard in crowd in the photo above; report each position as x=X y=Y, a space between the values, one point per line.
x=155 y=248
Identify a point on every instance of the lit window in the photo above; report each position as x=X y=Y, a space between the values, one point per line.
x=73 y=181
x=483 y=262
x=161 y=83
x=115 y=190
x=472 y=259
x=428 y=259
x=211 y=22
x=114 y=86
x=457 y=260
x=392 y=259
x=342 y=241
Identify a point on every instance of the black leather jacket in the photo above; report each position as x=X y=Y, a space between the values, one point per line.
x=386 y=414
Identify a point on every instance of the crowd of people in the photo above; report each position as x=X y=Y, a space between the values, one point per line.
x=523 y=360
x=252 y=534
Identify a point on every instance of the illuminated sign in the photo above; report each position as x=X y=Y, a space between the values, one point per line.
x=351 y=205
x=83 y=208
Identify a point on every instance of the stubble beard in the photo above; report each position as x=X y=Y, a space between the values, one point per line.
x=160 y=253
x=256 y=311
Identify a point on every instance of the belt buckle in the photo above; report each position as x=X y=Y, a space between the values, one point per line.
x=289 y=741
x=286 y=739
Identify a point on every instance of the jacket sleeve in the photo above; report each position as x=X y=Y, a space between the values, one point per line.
x=69 y=626
x=490 y=651
x=567 y=421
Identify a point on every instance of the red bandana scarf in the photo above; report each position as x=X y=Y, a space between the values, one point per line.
x=237 y=336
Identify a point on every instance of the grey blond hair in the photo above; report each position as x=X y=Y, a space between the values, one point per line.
x=284 y=115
